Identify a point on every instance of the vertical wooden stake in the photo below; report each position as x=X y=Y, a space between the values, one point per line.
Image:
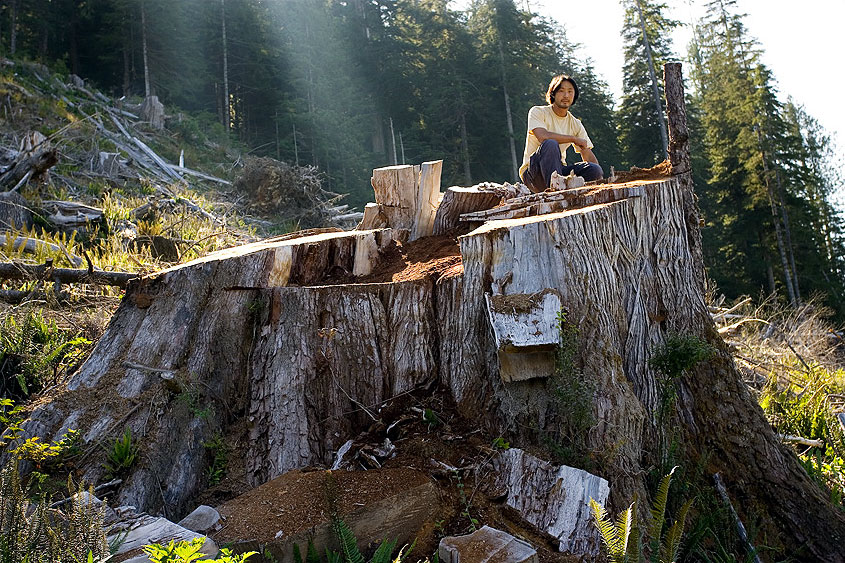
x=676 y=112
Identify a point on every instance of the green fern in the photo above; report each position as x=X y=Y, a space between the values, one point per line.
x=622 y=548
x=615 y=535
x=384 y=552
x=348 y=541
x=312 y=555
x=672 y=543
x=658 y=515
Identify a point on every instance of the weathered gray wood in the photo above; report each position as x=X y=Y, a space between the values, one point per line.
x=163 y=166
x=33 y=160
x=553 y=202
x=69 y=214
x=15 y=212
x=556 y=499
x=152 y=110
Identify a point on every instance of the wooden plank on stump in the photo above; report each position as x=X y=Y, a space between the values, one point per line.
x=427 y=196
x=459 y=200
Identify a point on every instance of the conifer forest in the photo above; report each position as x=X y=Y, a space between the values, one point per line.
x=349 y=85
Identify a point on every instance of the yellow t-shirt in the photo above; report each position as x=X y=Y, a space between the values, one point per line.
x=545 y=117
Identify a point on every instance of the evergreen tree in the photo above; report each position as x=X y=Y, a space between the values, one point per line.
x=641 y=116
x=762 y=228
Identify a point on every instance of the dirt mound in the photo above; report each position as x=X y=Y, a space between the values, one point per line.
x=296 y=501
x=656 y=172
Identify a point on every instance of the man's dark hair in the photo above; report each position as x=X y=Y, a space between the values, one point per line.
x=554 y=86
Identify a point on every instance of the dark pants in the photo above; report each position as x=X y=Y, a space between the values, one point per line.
x=547 y=160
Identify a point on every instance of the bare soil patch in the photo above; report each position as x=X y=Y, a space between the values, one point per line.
x=657 y=172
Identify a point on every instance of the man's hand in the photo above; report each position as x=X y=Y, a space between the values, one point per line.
x=588 y=156
x=579 y=142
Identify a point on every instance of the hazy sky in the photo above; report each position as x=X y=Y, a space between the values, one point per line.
x=803 y=43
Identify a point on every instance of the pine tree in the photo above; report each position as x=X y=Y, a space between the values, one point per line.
x=647 y=36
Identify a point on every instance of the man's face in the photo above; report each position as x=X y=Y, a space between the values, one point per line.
x=565 y=95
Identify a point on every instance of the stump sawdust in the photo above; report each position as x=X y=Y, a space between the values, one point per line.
x=657 y=172
x=433 y=257
x=428 y=257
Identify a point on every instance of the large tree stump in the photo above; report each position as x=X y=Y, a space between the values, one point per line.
x=263 y=333
x=152 y=110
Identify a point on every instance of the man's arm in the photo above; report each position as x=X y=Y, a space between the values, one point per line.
x=585 y=152
x=544 y=134
x=588 y=156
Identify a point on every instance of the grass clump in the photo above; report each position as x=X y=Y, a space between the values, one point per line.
x=33 y=532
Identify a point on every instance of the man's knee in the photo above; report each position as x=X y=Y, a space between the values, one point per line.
x=549 y=145
x=590 y=171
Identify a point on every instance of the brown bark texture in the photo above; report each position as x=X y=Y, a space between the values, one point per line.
x=261 y=334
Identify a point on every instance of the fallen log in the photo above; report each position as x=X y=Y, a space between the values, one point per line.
x=46 y=271
x=801 y=441
x=202 y=175
x=67 y=214
x=29 y=166
x=164 y=166
x=31 y=245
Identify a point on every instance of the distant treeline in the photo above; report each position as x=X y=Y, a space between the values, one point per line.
x=349 y=85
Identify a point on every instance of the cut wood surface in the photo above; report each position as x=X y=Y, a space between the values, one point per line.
x=458 y=201
x=553 y=202
x=427 y=198
x=406 y=198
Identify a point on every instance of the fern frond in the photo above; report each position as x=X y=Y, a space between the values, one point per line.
x=312 y=555
x=672 y=543
x=402 y=555
x=624 y=522
x=635 y=548
x=614 y=535
x=333 y=556
x=384 y=551
x=348 y=542
x=604 y=525
x=658 y=515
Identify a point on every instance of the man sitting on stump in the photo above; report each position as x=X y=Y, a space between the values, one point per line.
x=551 y=129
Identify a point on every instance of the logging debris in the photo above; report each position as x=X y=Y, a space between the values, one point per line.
x=292 y=193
